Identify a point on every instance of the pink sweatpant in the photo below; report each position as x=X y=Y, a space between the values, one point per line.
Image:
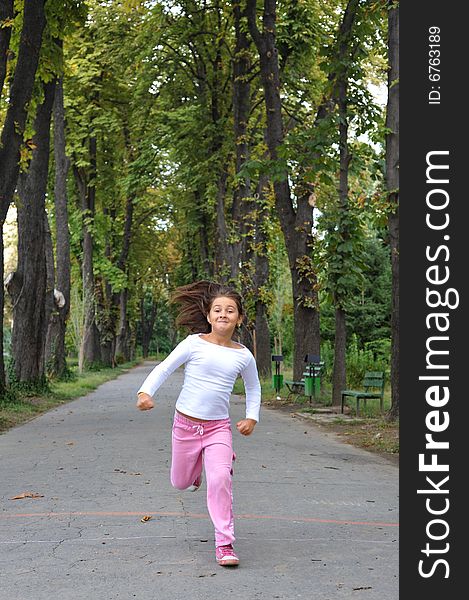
x=209 y=444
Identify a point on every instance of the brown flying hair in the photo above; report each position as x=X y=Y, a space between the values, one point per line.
x=196 y=299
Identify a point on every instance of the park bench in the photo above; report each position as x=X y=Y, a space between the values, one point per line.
x=373 y=384
x=310 y=382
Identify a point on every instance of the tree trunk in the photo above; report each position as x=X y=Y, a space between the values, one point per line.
x=248 y=266
x=124 y=336
x=230 y=222
x=30 y=320
x=90 y=349
x=120 y=300
x=241 y=113
x=339 y=372
x=246 y=334
x=296 y=225
x=51 y=304
x=15 y=119
x=20 y=95
x=392 y=186
x=207 y=263
x=105 y=320
x=261 y=280
x=304 y=340
x=263 y=350
x=222 y=254
x=56 y=358
x=6 y=14
x=107 y=305
x=147 y=324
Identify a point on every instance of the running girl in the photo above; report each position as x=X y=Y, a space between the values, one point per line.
x=201 y=436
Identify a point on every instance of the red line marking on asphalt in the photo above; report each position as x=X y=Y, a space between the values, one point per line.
x=196 y=516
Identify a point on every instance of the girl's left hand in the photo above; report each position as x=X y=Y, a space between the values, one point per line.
x=246 y=426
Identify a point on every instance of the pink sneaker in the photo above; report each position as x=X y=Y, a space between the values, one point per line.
x=226 y=556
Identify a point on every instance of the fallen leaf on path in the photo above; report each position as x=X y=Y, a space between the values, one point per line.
x=145 y=518
x=27 y=495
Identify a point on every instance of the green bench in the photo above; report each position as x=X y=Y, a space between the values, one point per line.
x=296 y=387
x=310 y=384
x=373 y=384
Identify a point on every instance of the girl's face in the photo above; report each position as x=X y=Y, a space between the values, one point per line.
x=224 y=315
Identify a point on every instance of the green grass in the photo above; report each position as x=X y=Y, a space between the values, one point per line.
x=21 y=407
x=86 y=382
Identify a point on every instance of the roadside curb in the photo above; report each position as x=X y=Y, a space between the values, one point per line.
x=322 y=415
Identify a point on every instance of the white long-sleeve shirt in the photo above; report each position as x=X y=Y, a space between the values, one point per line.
x=209 y=376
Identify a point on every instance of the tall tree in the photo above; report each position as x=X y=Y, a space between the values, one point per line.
x=248 y=247
x=55 y=348
x=241 y=113
x=392 y=186
x=28 y=285
x=261 y=279
x=339 y=369
x=343 y=70
x=15 y=121
x=296 y=223
x=121 y=299
x=90 y=348
x=296 y=213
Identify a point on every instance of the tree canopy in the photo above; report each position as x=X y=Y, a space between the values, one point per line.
x=202 y=139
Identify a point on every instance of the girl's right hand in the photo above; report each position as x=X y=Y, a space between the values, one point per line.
x=144 y=401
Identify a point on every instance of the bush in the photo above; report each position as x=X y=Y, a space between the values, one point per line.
x=374 y=356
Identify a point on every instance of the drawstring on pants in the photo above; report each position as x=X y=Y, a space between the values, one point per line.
x=199 y=429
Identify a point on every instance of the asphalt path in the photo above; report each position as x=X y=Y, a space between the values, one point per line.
x=315 y=518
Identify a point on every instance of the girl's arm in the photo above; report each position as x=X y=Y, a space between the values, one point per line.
x=161 y=372
x=252 y=387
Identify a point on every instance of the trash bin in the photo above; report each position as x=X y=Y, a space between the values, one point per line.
x=277 y=378
x=277 y=381
x=312 y=385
